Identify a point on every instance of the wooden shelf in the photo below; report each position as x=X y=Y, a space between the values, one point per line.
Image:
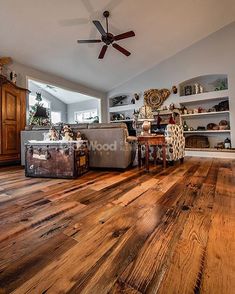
x=126 y=107
x=207 y=131
x=205 y=114
x=166 y=112
x=204 y=97
x=210 y=150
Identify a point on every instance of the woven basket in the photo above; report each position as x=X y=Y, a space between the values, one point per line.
x=197 y=141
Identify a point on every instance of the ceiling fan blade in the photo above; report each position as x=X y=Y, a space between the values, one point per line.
x=99 y=27
x=121 y=49
x=103 y=51
x=124 y=36
x=94 y=34
x=88 y=41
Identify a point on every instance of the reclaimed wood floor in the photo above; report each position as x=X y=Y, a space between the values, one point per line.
x=170 y=231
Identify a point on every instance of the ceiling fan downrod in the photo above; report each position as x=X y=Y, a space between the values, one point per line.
x=106 y=14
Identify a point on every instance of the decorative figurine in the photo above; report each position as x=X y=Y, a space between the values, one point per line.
x=200 y=109
x=67 y=133
x=184 y=110
x=79 y=136
x=196 y=87
x=174 y=90
x=53 y=134
x=137 y=97
x=13 y=77
x=133 y=101
x=135 y=119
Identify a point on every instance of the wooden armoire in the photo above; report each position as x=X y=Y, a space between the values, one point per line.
x=12 y=120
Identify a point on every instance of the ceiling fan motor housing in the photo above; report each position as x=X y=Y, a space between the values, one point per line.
x=108 y=39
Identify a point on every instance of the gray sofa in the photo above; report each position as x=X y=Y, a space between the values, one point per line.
x=110 y=145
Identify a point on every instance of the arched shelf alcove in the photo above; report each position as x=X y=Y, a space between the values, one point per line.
x=208 y=83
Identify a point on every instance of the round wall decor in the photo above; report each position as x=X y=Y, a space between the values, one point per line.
x=155 y=98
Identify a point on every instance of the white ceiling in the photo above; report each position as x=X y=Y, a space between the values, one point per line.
x=43 y=34
x=65 y=96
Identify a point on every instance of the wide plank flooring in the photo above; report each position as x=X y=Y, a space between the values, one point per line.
x=167 y=231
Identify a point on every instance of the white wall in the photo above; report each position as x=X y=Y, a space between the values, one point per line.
x=213 y=55
x=25 y=72
x=80 y=106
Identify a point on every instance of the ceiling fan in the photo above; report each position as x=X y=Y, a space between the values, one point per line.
x=107 y=38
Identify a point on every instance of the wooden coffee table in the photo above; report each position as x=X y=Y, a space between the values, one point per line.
x=151 y=140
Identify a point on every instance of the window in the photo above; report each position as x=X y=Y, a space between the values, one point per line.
x=32 y=102
x=86 y=115
x=55 y=117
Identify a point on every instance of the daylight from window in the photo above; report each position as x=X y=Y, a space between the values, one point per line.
x=55 y=117
x=83 y=116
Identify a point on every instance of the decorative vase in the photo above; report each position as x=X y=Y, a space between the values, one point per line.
x=196 y=88
x=185 y=126
x=174 y=90
x=201 y=89
x=146 y=127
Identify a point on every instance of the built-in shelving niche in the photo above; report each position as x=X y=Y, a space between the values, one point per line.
x=209 y=83
x=215 y=90
x=122 y=107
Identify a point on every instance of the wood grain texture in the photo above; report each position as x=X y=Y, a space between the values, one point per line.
x=167 y=231
x=12 y=120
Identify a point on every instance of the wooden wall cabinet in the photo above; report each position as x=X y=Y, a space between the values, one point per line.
x=12 y=120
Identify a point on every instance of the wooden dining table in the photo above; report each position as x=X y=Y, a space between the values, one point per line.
x=151 y=140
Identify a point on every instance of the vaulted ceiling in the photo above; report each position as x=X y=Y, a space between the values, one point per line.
x=42 y=34
x=66 y=96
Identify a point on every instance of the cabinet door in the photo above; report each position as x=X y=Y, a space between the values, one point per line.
x=11 y=122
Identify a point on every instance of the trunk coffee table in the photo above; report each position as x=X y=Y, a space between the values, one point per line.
x=56 y=159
